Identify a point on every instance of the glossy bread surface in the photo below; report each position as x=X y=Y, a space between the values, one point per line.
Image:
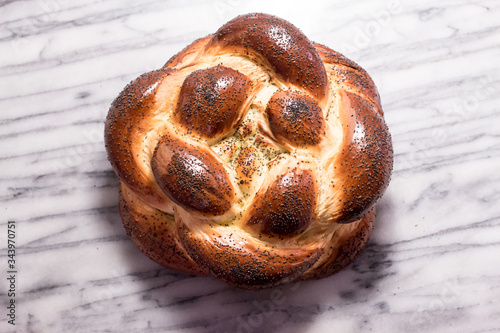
x=254 y=155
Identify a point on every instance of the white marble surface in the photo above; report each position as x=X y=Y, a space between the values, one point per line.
x=432 y=263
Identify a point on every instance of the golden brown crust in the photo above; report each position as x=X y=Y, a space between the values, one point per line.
x=126 y=117
x=154 y=232
x=210 y=101
x=238 y=259
x=191 y=177
x=295 y=118
x=349 y=76
x=187 y=54
x=254 y=155
x=344 y=246
x=289 y=52
x=364 y=163
x=287 y=206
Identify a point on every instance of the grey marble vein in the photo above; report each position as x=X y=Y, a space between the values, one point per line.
x=432 y=262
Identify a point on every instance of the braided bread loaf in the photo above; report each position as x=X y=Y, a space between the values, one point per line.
x=254 y=155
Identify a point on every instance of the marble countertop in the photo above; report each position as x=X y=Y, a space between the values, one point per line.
x=432 y=263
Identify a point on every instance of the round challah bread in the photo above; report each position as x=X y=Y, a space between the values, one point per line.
x=254 y=155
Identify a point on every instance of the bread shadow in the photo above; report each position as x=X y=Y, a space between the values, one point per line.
x=170 y=300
